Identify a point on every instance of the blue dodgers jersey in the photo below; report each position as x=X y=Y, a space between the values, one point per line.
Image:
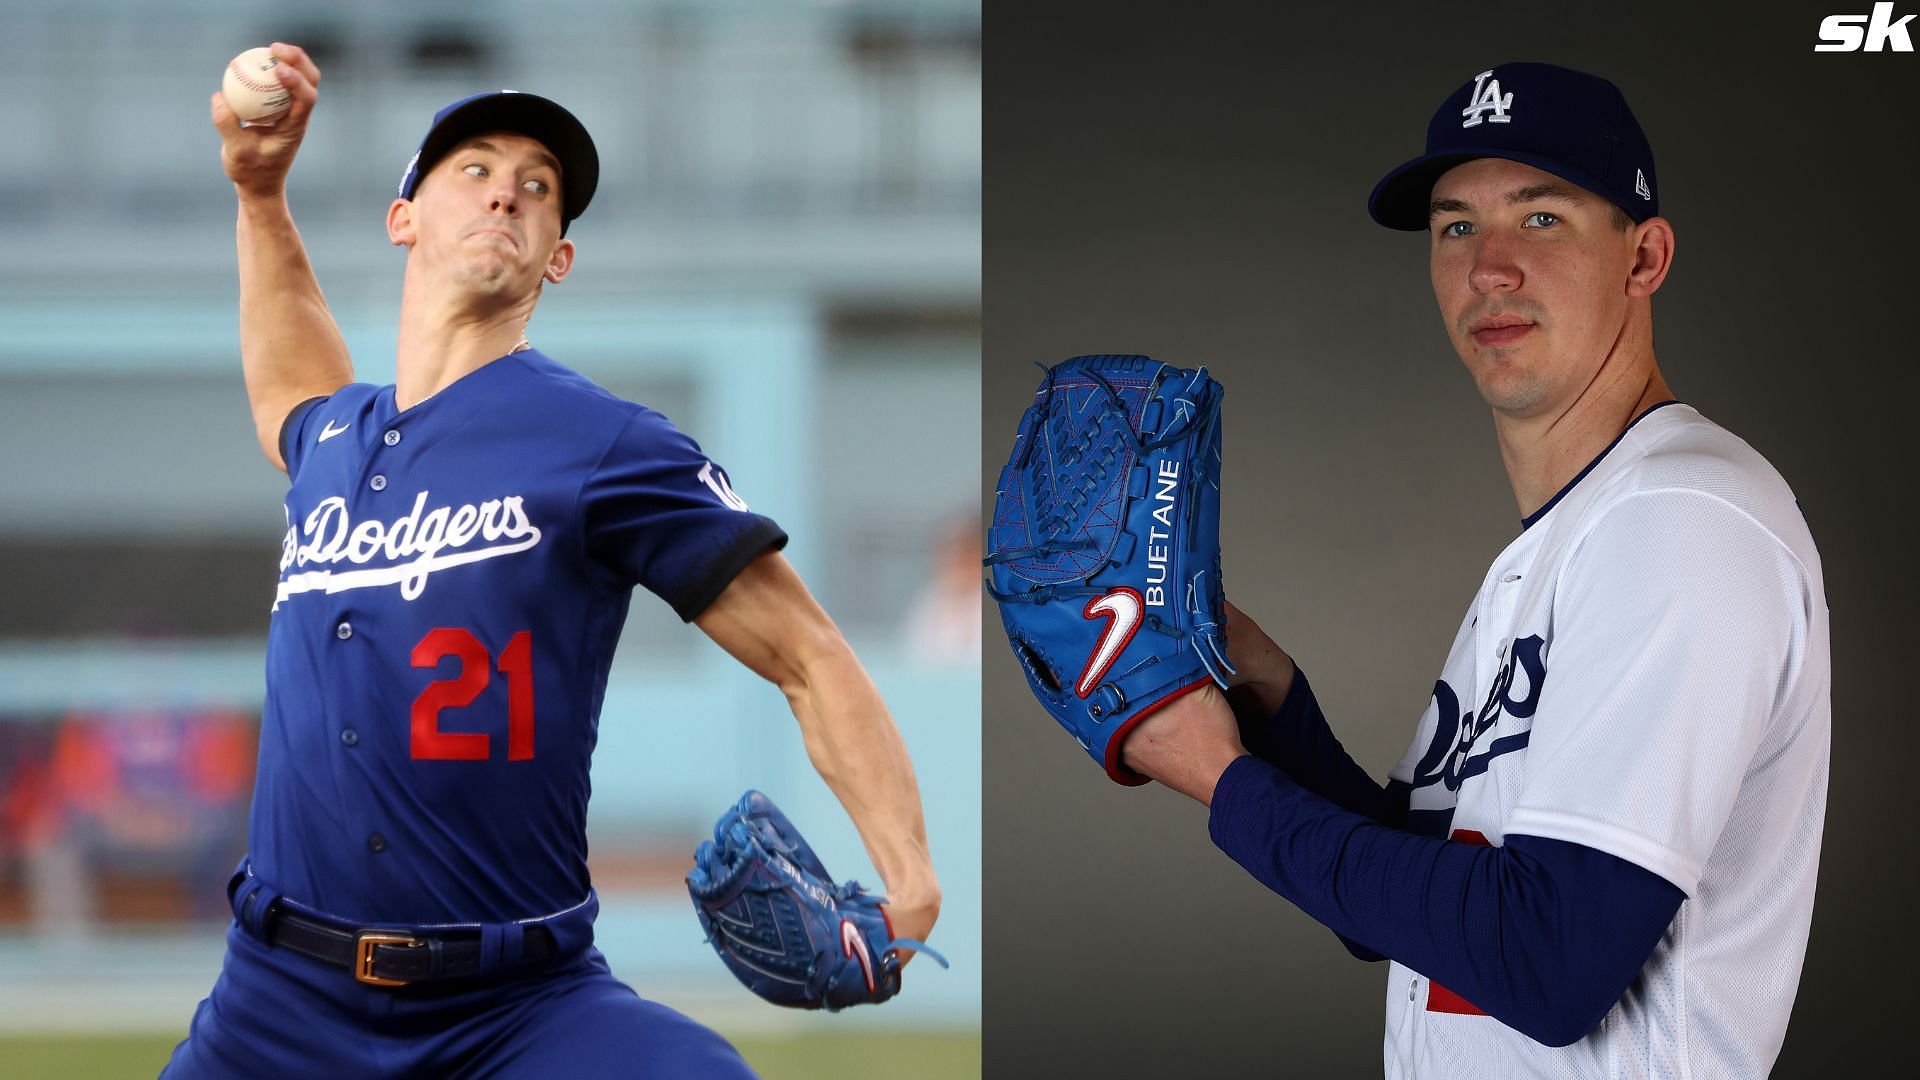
x=452 y=585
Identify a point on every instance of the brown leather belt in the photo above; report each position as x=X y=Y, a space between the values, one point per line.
x=395 y=957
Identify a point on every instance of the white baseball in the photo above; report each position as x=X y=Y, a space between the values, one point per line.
x=252 y=90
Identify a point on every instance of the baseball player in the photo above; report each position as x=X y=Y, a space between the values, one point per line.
x=460 y=551
x=1597 y=857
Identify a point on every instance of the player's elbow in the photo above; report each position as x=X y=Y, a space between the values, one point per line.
x=1560 y=1027
x=1551 y=1017
x=1557 y=996
x=1584 y=925
x=1359 y=951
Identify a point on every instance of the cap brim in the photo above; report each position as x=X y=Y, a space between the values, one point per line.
x=532 y=116
x=1403 y=199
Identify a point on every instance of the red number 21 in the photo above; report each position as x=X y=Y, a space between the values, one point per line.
x=476 y=668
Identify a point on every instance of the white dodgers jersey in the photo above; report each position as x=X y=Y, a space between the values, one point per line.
x=1644 y=671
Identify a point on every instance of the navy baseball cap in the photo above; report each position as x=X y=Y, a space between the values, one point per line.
x=1571 y=124
x=522 y=114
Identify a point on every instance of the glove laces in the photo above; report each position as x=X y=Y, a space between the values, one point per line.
x=850 y=893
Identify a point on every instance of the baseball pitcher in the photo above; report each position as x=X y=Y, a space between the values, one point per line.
x=460 y=551
x=1597 y=857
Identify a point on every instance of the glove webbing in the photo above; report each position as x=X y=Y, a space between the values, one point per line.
x=845 y=893
x=1202 y=418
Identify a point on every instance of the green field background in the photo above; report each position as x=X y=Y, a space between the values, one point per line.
x=945 y=1056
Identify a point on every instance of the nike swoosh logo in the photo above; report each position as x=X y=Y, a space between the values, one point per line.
x=330 y=431
x=854 y=945
x=1122 y=608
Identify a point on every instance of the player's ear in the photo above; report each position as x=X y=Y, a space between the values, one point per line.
x=400 y=223
x=1652 y=256
x=560 y=263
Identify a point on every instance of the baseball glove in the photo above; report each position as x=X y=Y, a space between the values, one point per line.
x=1105 y=545
x=775 y=916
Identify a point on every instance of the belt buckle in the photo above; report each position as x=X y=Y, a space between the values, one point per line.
x=365 y=942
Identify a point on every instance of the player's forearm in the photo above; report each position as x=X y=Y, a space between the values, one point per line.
x=1293 y=734
x=1543 y=935
x=1282 y=724
x=857 y=750
x=1263 y=672
x=289 y=344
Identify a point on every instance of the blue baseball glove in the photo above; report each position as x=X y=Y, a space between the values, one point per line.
x=775 y=916
x=1105 y=545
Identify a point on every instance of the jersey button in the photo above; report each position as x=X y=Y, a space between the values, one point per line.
x=378 y=483
x=1413 y=988
x=391 y=438
x=377 y=843
x=343 y=631
x=350 y=737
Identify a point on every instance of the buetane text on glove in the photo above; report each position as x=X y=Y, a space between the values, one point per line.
x=1157 y=550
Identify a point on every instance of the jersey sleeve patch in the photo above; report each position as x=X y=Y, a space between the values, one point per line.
x=659 y=513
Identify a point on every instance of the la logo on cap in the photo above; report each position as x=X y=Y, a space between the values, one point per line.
x=1487 y=97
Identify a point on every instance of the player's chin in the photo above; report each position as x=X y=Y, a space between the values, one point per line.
x=1514 y=393
x=490 y=275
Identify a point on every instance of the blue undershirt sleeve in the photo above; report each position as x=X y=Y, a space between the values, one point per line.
x=1541 y=934
x=1298 y=739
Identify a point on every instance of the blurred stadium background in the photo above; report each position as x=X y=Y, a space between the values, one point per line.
x=783 y=256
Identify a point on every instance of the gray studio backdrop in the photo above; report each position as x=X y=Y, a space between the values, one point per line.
x=1194 y=188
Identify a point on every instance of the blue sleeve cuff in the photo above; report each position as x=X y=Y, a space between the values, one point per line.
x=763 y=535
x=291 y=425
